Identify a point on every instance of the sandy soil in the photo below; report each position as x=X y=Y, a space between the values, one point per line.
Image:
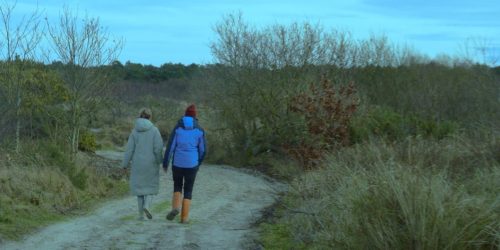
x=226 y=201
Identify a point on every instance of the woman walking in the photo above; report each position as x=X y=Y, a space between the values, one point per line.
x=144 y=150
x=186 y=146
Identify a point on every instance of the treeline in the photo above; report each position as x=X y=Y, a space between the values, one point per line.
x=149 y=73
x=143 y=72
x=167 y=71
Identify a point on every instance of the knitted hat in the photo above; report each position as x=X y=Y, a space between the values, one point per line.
x=191 y=111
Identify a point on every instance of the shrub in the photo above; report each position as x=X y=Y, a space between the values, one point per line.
x=377 y=122
x=87 y=141
x=79 y=178
x=56 y=156
x=327 y=111
x=384 y=122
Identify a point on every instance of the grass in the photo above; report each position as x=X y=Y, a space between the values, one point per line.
x=417 y=194
x=129 y=217
x=17 y=220
x=162 y=208
x=35 y=193
x=277 y=236
x=159 y=209
x=111 y=138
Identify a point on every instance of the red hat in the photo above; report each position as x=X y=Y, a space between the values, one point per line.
x=191 y=111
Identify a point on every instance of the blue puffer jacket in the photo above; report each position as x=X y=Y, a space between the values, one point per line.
x=186 y=145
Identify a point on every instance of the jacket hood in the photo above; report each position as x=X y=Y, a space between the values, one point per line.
x=188 y=122
x=142 y=124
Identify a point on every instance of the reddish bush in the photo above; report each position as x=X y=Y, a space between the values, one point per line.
x=328 y=111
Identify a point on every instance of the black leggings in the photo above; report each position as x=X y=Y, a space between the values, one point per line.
x=184 y=177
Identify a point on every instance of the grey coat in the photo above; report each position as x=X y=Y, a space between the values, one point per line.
x=144 y=149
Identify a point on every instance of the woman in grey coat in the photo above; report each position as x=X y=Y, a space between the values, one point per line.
x=144 y=151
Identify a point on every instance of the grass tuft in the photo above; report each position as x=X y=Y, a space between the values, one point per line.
x=417 y=194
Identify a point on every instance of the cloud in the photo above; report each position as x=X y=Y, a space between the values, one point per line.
x=161 y=30
x=433 y=36
x=458 y=12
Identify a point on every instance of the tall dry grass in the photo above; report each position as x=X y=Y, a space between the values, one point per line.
x=417 y=194
x=36 y=189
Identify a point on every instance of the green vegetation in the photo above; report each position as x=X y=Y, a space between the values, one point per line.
x=45 y=186
x=149 y=73
x=277 y=236
x=415 y=194
x=396 y=151
x=386 y=123
x=463 y=93
x=162 y=207
x=87 y=142
x=43 y=177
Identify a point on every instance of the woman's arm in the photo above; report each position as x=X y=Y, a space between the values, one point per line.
x=202 y=147
x=129 y=152
x=158 y=147
x=170 y=148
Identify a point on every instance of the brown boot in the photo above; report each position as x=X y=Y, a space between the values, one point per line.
x=176 y=206
x=186 y=203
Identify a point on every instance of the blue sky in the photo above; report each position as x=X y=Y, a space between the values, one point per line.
x=160 y=31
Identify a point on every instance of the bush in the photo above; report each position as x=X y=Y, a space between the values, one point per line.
x=56 y=156
x=87 y=142
x=386 y=123
x=377 y=122
x=327 y=111
x=79 y=179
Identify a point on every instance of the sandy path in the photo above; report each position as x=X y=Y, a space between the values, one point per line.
x=225 y=203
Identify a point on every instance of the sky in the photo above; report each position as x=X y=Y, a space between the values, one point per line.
x=168 y=31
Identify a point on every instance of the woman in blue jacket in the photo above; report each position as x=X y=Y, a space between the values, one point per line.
x=186 y=147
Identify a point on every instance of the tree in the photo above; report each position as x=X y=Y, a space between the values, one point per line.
x=82 y=45
x=42 y=107
x=480 y=50
x=20 y=41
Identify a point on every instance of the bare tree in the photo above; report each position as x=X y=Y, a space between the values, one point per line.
x=480 y=50
x=21 y=40
x=378 y=51
x=82 y=45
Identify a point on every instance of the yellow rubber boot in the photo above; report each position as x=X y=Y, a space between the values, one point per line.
x=186 y=203
x=176 y=206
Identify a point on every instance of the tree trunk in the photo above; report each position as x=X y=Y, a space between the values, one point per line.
x=75 y=132
x=18 y=120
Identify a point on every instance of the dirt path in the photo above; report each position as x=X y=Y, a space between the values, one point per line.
x=225 y=203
